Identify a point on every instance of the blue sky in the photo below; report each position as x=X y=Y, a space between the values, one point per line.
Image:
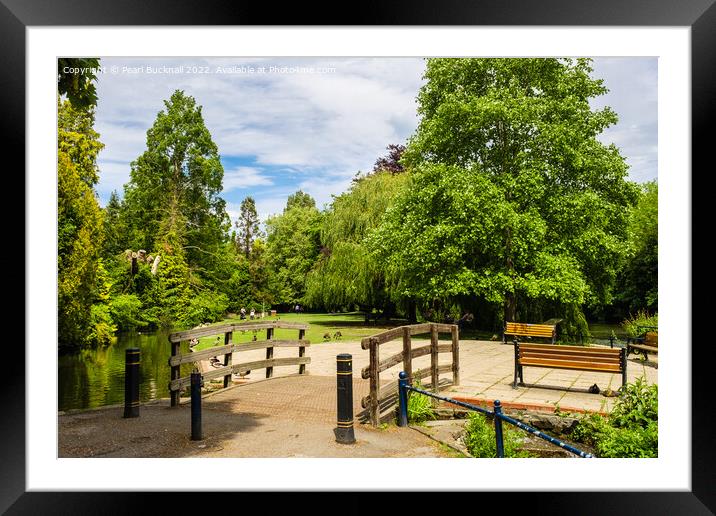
x=313 y=123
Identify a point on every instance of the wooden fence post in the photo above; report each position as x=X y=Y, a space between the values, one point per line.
x=374 y=383
x=454 y=333
x=407 y=354
x=227 y=358
x=175 y=374
x=434 y=376
x=269 y=352
x=301 y=352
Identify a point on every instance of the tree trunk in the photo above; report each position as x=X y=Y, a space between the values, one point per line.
x=412 y=312
x=510 y=306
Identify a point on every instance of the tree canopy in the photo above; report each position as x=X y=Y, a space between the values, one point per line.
x=292 y=246
x=512 y=195
x=347 y=273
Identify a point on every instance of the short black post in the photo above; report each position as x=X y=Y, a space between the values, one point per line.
x=402 y=399
x=498 y=430
x=344 y=383
x=131 y=382
x=196 y=383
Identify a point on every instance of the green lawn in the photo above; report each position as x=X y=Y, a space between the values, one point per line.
x=352 y=326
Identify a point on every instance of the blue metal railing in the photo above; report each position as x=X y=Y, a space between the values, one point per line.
x=499 y=417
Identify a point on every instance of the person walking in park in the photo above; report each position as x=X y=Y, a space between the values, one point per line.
x=243 y=313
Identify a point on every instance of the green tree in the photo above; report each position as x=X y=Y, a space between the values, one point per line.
x=172 y=208
x=638 y=287
x=115 y=227
x=346 y=273
x=260 y=275
x=83 y=318
x=292 y=245
x=247 y=226
x=175 y=185
x=512 y=196
x=76 y=78
x=299 y=199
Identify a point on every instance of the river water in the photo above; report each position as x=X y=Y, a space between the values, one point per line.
x=94 y=378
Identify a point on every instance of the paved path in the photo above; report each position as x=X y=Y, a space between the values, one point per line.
x=281 y=417
x=294 y=416
x=486 y=373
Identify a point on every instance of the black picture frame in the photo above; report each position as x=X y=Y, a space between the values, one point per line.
x=699 y=15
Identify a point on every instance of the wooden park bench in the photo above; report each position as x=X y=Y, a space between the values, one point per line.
x=648 y=343
x=603 y=360
x=515 y=329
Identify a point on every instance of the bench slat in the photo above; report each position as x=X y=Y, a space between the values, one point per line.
x=580 y=358
x=645 y=348
x=565 y=364
x=559 y=349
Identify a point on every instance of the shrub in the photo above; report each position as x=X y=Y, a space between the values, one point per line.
x=420 y=407
x=126 y=312
x=634 y=325
x=630 y=430
x=206 y=307
x=101 y=326
x=480 y=440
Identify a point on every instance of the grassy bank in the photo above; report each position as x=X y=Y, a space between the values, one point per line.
x=351 y=326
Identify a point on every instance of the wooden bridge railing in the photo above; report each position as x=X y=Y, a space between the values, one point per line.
x=177 y=383
x=382 y=399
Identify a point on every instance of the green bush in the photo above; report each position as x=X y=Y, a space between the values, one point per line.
x=638 y=405
x=480 y=439
x=206 y=307
x=634 y=325
x=101 y=326
x=574 y=327
x=630 y=430
x=420 y=407
x=126 y=312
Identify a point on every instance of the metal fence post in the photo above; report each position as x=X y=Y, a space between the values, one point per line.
x=196 y=383
x=344 y=384
x=498 y=430
x=403 y=399
x=131 y=383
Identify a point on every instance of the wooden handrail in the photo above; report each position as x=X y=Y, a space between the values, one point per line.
x=181 y=383
x=234 y=348
x=379 y=399
x=217 y=330
x=398 y=358
x=230 y=347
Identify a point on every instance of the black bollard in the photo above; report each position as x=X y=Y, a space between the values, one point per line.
x=196 y=383
x=344 y=381
x=402 y=399
x=498 y=430
x=131 y=382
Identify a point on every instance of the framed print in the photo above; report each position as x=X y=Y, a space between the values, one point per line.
x=141 y=53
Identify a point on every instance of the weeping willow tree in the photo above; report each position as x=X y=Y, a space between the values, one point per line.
x=346 y=273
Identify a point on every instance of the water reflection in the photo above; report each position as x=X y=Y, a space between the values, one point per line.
x=94 y=378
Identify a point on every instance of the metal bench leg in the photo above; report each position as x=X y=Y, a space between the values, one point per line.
x=624 y=362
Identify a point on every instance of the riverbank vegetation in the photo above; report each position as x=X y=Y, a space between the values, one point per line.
x=503 y=204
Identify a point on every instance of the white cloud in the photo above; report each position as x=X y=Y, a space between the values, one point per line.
x=112 y=176
x=316 y=131
x=244 y=177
